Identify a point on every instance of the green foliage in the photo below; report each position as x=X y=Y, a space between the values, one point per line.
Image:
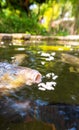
x=17 y=22
x=2 y=3
x=15 y=16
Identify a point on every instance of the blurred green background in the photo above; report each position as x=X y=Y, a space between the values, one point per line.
x=39 y=17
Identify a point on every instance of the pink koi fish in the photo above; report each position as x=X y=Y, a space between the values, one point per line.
x=16 y=76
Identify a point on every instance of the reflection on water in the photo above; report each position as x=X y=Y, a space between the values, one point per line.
x=54 y=101
x=61 y=116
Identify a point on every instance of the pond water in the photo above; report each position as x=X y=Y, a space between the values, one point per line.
x=59 y=88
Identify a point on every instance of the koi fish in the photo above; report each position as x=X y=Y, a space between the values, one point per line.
x=13 y=77
x=70 y=59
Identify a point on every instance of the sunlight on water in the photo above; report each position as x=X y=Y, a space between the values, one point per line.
x=48 y=85
x=51 y=101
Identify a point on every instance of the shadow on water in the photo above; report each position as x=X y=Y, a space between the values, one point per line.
x=53 y=103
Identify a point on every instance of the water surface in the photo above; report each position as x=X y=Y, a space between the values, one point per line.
x=60 y=82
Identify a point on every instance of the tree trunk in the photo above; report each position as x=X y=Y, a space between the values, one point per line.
x=76 y=14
